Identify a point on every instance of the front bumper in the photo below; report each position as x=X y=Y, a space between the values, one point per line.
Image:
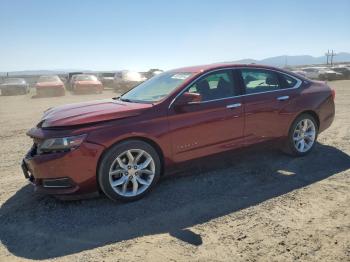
x=65 y=173
x=87 y=88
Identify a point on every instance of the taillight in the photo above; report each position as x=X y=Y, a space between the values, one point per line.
x=333 y=93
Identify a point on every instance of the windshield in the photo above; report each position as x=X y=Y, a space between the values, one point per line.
x=49 y=79
x=85 y=78
x=14 y=81
x=157 y=87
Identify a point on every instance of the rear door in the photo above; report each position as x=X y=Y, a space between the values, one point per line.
x=212 y=125
x=266 y=98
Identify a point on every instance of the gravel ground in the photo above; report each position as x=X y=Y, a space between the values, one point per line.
x=258 y=205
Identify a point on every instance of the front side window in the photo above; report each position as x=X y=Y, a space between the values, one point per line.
x=259 y=80
x=214 y=86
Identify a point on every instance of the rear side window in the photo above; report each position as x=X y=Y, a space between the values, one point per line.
x=287 y=81
x=259 y=80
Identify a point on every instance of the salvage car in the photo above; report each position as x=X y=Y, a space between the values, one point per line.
x=70 y=79
x=344 y=71
x=14 y=86
x=50 y=85
x=330 y=75
x=122 y=146
x=86 y=83
x=107 y=79
x=125 y=80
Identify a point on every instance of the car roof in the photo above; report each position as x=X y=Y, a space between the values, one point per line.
x=205 y=68
x=202 y=68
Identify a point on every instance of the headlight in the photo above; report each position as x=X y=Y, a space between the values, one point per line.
x=61 y=144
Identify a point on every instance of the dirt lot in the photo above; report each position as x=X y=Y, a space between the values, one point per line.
x=259 y=205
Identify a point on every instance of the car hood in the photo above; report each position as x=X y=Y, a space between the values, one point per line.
x=87 y=82
x=12 y=84
x=49 y=84
x=91 y=112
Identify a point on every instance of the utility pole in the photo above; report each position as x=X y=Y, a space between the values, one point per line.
x=332 y=56
x=327 y=55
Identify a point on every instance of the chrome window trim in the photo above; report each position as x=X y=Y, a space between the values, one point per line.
x=297 y=85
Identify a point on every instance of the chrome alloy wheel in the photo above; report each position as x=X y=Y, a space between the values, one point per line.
x=304 y=135
x=132 y=172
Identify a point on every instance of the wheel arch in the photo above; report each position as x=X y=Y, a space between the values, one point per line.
x=149 y=141
x=312 y=113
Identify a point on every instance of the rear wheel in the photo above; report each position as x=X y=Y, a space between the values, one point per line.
x=302 y=135
x=129 y=170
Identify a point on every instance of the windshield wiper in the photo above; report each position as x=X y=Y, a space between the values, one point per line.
x=125 y=99
x=121 y=99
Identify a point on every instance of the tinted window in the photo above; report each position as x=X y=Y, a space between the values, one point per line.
x=259 y=80
x=287 y=81
x=215 y=86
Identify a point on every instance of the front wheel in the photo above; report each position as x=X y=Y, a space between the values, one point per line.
x=302 y=135
x=129 y=170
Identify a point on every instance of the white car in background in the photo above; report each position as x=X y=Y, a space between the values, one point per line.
x=299 y=72
x=125 y=80
x=311 y=72
x=329 y=74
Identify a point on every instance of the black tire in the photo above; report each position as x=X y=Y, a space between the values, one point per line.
x=109 y=157
x=289 y=147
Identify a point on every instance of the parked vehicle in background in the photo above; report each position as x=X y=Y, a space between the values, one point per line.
x=85 y=83
x=299 y=72
x=152 y=72
x=107 y=79
x=123 y=145
x=70 y=77
x=14 y=86
x=345 y=71
x=125 y=80
x=50 y=85
x=311 y=72
x=329 y=74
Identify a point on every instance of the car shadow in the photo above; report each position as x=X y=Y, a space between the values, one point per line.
x=42 y=227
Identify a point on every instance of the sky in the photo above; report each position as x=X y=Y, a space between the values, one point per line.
x=138 y=34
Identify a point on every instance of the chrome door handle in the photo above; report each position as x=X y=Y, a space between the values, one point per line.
x=282 y=98
x=234 y=105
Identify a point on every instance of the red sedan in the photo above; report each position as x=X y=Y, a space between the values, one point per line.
x=49 y=86
x=86 y=83
x=122 y=146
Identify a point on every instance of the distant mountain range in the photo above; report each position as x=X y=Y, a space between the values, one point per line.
x=297 y=60
x=278 y=61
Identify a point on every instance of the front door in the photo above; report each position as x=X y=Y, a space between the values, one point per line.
x=212 y=125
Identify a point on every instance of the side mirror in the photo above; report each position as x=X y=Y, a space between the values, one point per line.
x=186 y=99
